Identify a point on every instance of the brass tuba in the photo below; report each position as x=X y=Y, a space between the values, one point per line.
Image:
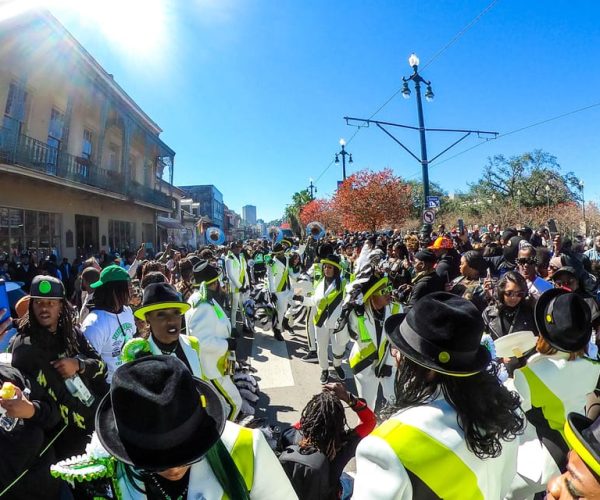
x=316 y=230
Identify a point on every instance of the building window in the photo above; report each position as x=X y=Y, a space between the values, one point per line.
x=29 y=230
x=113 y=158
x=86 y=150
x=121 y=235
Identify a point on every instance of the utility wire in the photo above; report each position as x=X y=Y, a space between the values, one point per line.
x=436 y=55
x=460 y=33
x=515 y=131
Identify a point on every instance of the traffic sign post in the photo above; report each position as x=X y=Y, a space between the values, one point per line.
x=428 y=216
x=433 y=202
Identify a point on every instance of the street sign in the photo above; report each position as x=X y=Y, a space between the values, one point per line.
x=433 y=202
x=428 y=216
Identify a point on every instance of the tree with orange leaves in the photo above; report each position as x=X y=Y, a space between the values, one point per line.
x=368 y=201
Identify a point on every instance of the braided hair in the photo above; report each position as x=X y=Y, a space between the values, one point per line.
x=323 y=424
x=66 y=329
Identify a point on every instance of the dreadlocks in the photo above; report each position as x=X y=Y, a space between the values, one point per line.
x=66 y=329
x=323 y=424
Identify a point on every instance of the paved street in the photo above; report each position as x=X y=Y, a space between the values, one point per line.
x=286 y=382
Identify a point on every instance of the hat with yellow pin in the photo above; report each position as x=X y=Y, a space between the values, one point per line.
x=563 y=320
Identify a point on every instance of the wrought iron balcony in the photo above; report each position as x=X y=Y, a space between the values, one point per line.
x=25 y=151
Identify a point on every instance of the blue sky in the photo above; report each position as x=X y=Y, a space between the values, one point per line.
x=251 y=94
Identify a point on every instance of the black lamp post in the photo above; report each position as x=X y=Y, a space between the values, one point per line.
x=416 y=78
x=344 y=153
x=582 y=204
x=312 y=188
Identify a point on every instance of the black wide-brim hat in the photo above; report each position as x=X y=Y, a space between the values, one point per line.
x=583 y=436
x=563 y=320
x=159 y=296
x=441 y=332
x=205 y=272
x=158 y=416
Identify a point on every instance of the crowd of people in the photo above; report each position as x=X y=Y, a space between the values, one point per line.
x=472 y=352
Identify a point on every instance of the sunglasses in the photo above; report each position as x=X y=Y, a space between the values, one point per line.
x=515 y=294
x=530 y=261
x=384 y=291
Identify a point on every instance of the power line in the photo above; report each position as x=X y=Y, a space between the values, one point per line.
x=436 y=55
x=515 y=131
x=460 y=33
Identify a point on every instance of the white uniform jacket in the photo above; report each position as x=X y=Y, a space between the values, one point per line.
x=422 y=450
x=327 y=302
x=550 y=388
x=237 y=271
x=278 y=276
x=207 y=321
x=367 y=346
x=192 y=356
x=269 y=480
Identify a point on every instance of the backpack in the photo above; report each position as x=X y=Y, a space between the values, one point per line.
x=308 y=473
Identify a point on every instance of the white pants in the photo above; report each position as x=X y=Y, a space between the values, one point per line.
x=367 y=385
x=283 y=299
x=237 y=302
x=228 y=390
x=338 y=345
x=310 y=329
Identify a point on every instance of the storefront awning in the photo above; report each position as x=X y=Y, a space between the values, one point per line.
x=168 y=223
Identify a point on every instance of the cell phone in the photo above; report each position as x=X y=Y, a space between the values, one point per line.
x=552 y=228
x=461 y=226
x=4 y=303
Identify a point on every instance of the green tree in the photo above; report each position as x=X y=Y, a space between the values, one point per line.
x=522 y=179
x=292 y=211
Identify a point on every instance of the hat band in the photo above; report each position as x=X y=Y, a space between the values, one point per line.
x=442 y=357
x=160 y=441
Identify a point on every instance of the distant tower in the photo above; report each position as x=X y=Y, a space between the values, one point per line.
x=249 y=215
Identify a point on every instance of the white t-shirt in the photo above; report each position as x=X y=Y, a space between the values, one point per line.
x=108 y=332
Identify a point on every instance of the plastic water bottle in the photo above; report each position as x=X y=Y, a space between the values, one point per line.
x=78 y=389
x=9 y=423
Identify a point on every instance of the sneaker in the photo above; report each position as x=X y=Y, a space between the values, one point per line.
x=339 y=371
x=324 y=376
x=310 y=356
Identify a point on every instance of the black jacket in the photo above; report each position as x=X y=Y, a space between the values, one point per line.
x=32 y=355
x=20 y=448
x=500 y=322
x=448 y=267
x=424 y=284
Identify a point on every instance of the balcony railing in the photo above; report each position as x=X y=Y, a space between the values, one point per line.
x=25 y=151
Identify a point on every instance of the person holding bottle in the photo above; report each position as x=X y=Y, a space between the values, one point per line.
x=50 y=349
x=26 y=413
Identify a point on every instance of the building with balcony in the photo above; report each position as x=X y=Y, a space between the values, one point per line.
x=210 y=201
x=83 y=167
x=249 y=215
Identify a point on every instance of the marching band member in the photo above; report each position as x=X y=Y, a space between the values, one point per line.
x=453 y=436
x=327 y=302
x=207 y=321
x=278 y=270
x=554 y=382
x=237 y=274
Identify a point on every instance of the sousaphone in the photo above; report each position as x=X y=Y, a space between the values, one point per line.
x=316 y=230
x=215 y=236
x=275 y=234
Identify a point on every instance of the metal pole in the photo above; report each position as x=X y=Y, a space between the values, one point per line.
x=344 y=161
x=424 y=163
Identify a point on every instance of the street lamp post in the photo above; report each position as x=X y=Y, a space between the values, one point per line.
x=582 y=201
x=417 y=79
x=312 y=188
x=519 y=200
x=547 y=188
x=344 y=153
